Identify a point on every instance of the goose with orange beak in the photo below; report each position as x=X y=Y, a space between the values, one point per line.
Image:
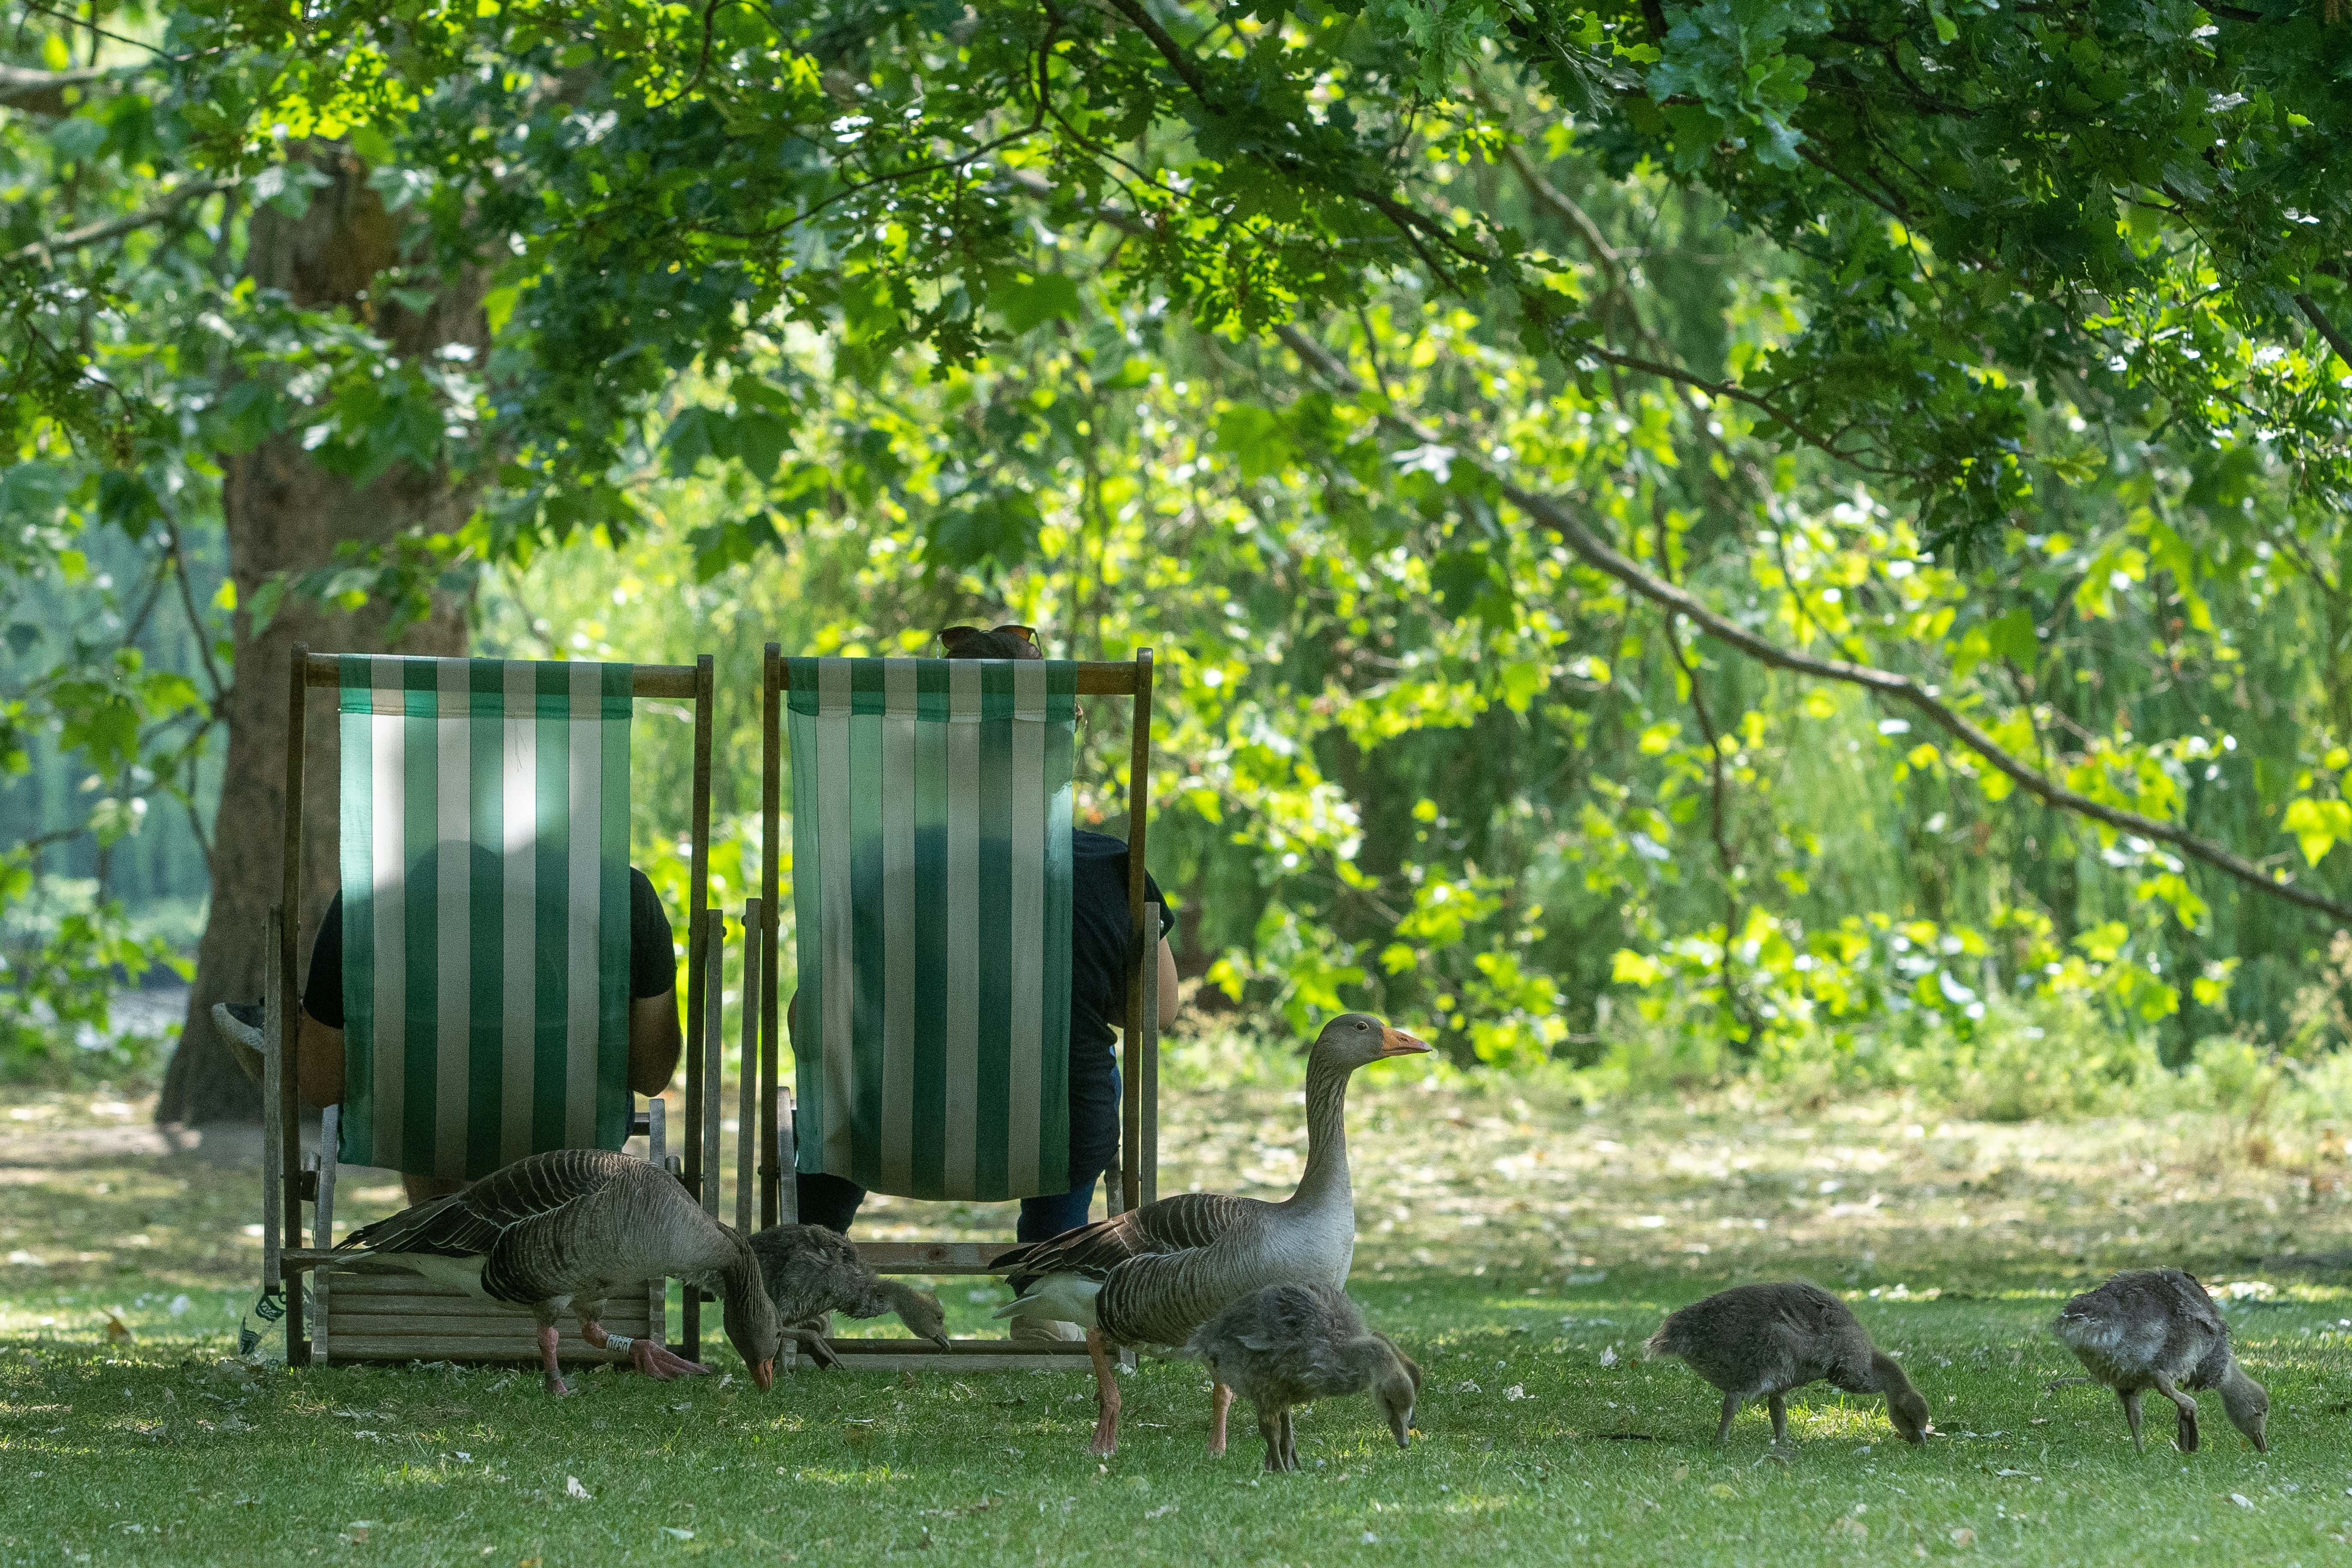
x=1152 y=1275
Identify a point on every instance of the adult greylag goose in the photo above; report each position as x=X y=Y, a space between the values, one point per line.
x=1288 y=1344
x=809 y=1271
x=559 y=1232
x=2156 y=1328
x=1762 y=1341
x=1154 y=1274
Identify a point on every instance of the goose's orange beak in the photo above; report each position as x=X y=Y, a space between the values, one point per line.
x=763 y=1374
x=1395 y=1042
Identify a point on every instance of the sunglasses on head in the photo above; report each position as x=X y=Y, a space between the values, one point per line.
x=955 y=636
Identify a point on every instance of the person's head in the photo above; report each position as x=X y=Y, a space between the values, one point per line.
x=1009 y=641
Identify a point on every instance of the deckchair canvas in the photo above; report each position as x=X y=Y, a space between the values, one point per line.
x=485 y=910
x=931 y=875
x=930 y=869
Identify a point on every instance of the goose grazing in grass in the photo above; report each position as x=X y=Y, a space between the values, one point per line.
x=1288 y=1344
x=809 y=1271
x=1762 y=1341
x=1154 y=1274
x=559 y=1232
x=2156 y=1328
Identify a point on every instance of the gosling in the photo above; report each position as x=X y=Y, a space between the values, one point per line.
x=1762 y=1341
x=1288 y=1344
x=2155 y=1328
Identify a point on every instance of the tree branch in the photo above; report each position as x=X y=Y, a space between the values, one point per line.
x=197 y=627
x=1561 y=204
x=94 y=234
x=2318 y=318
x=1734 y=995
x=1605 y=557
x=44 y=92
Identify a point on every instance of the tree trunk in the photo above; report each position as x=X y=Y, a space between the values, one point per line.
x=287 y=515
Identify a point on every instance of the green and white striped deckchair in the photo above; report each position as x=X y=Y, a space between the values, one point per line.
x=485 y=829
x=484 y=825
x=931 y=872
x=932 y=880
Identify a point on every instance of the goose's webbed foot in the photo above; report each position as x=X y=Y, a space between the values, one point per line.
x=647 y=1355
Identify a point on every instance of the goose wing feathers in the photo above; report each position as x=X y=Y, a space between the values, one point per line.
x=471 y=1222
x=1181 y=1224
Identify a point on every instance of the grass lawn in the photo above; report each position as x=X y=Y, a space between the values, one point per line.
x=1521 y=1248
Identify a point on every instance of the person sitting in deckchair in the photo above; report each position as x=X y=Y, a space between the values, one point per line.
x=1099 y=962
x=654 y=1036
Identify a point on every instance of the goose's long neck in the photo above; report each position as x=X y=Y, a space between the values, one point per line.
x=737 y=1281
x=1326 y=1180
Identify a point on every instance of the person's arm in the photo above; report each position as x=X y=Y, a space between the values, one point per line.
x=319 y=1063
x=654 y=1041
x=1167 y=998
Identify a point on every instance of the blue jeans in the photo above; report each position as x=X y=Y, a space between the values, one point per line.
x=832 y=1201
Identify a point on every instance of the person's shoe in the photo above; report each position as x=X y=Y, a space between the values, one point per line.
x=239 y=1024
x=1045 y=1331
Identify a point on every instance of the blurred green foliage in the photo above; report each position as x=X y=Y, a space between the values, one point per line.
x=1989 y=350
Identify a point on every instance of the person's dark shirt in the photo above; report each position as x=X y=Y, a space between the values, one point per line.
x=1098 y=955
x=653 y=963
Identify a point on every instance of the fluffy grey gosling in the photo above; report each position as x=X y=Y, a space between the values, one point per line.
x=810 y=1271
x=2155 y=1328
x=1287 y=1344
x=1762 y=1341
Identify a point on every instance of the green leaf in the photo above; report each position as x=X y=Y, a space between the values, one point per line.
x=760 y=439
x=2012 y=636
x=497 y=306
x=1044 y=297
x=371 y=144
x=2317 y=825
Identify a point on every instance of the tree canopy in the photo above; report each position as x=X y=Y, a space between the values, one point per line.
x=1640 y=496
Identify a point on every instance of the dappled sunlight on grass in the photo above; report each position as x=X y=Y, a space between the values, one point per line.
x=1507 y=1240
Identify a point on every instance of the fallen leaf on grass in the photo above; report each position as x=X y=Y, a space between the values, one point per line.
x=2242 y=1499
x=1163 y=1512
x=1964 y=1538
x=116 y=1328
x=571 y=1485
x=675 y=1533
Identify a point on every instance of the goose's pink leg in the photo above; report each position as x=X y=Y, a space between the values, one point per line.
x=547 y=1338
x=1221 y=1399
x=648 y=1355
x=1106 y=1441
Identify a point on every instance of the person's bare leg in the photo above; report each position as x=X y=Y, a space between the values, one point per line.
x=2131 y=1413
x=555 y=1384
x=1778 y=1405
x=1106 y=1441
x=2187 y=1406
x=1730 y=1409
x=647 y=1355
x=1221 y=1399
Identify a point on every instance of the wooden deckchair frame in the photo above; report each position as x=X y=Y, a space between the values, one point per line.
x=282 y=1176
x=1135 y=1177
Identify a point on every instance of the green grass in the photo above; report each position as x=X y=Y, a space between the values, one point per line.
x=1521 y=1248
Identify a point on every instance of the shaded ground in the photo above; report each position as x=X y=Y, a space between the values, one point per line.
x=1520 y=1246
